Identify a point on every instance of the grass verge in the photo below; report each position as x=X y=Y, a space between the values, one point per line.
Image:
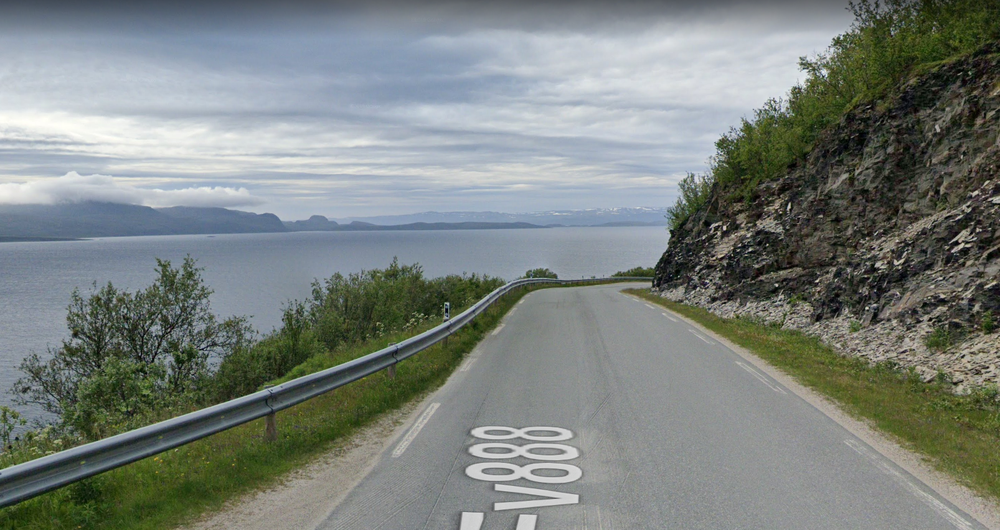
x=179 y=485
x=960 y=434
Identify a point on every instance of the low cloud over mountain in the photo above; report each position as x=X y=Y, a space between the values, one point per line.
x=74 y=188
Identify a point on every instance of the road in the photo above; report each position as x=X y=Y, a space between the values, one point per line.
x=590 y=409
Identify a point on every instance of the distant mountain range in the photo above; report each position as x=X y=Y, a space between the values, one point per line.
x=98 y=219
x=101 y=219
x=592 y=217
x=35 y=222
x=318 y=223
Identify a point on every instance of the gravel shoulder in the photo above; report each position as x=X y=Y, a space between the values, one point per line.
x=305 y=497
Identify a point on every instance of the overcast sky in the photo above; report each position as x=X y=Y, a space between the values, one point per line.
x=340 y=111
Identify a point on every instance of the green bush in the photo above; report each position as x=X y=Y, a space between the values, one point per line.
x=695 y=190
x=888 y=42
x=541 y=273
x=131 y=355
x=369 y=304
x=247 y=369
x=10 y=421
x=986 y=323
x=345 y=311
x=943 y=337
x=635 y=272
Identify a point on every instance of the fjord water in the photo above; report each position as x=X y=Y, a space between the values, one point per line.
x=255 y=274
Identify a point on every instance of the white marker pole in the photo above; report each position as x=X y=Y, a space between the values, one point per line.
x=447 y=317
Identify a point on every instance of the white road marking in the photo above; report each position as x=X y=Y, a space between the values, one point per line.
x=763 y=379
x=471 y=521
x=649 y=306
x=512 y=311
x=495 y=331
x=552 y=498
x=670 y=317
x=468 y=364
x=700 y=336
x=521 y=302
x=526 y=522
x=415 y=430
x=943 y=510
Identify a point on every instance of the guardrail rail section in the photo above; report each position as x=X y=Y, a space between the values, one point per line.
x=27 y=480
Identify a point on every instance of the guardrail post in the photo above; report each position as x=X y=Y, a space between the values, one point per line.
x=270 y=425
x=270 y=428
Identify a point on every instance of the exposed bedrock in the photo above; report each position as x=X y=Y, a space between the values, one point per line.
x=887 y=233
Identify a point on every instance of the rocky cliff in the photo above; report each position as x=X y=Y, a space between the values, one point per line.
x=884 y=240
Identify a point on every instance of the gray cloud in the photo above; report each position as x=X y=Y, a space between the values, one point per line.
x=376 y=110
x=73 y=187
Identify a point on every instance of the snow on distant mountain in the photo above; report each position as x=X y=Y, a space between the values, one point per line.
x=591 y=217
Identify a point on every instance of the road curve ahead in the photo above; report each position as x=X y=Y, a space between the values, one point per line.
x=589 y=409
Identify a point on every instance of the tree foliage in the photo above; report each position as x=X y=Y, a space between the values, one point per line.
x=368 y=304
x=695 y=191
x=635 y=272
x=541 y=273
x=130 y=353
x=887 y=42
x=137 y=357
x=345 y=310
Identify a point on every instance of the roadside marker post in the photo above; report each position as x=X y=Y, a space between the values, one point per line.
x=447 y=317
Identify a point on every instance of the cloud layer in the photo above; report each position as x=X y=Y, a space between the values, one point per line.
x=364 y=113
x=73 y=187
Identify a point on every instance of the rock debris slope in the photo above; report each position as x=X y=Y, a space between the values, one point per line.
x=887 y=234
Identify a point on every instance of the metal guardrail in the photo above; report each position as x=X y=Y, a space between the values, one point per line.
x=23 y=481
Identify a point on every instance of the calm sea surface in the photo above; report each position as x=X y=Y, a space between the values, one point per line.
x=254 y=274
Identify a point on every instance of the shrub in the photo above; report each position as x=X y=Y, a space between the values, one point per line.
x=541 y=273
x=635 y=272
x=369 y=304
x=695 y=190
x=247 y=369
x=943 y=337
x=130 y=353
x=986 y=323
x=10 y=421
x=887 y=42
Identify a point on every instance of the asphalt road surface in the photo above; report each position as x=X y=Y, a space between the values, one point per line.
x=589 y=409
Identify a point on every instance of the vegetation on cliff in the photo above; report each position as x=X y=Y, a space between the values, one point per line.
x=887 y=43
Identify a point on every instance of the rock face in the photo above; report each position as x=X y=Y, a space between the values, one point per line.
x=892 y=224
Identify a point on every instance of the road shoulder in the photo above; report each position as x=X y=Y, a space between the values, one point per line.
x=306 y=497
x=984 y=510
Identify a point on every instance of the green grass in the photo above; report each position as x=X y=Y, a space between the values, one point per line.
x=959 y=434
x=943 y=338
x=179 y=485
